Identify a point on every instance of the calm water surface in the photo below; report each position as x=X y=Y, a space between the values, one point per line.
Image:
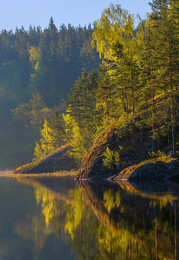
x=58 y=218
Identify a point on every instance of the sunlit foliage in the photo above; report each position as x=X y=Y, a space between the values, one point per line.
x=111 y=159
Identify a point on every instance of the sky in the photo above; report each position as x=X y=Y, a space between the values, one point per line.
x=15 y=13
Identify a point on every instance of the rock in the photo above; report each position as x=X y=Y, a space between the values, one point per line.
x=156 y=169
x=123 y=144
x=57 y=161
x=92 y=165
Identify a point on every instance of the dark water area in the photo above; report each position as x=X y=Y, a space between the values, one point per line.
x=59 y=218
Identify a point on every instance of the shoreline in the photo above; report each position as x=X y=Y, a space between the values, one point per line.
x=36 y=175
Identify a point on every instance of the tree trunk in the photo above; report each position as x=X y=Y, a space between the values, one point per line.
x=153 y=124
x=107 y=108
x=132 y=86
x=127 y=106
x=172 y=110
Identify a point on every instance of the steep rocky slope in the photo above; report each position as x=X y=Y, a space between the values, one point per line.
x=57 y=161
x=129 y=149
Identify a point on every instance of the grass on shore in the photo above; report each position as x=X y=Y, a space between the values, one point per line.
x=37 y=175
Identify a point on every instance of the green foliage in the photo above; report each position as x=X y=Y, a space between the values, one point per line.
x=108 y=158
x=116 y=158
x=46 y=143
x=75 y=126
x=163 y=156
x=74 y=215
x=136 y=84
x=38 y=152
x=111 y=159
x=35 y=56
x=32 y=113
x=82 y=100
x=111 y=200
x=37 y=61
x=138 y=77
x=52 y=136
x=160 y=155
x=74 y=136
x=99 y=223
x=114 y=26
x=153 y=155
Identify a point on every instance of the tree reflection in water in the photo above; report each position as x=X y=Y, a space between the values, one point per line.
x=106 y=221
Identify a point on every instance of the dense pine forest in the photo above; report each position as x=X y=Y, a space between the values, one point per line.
x=134 y=86
x=37 y=70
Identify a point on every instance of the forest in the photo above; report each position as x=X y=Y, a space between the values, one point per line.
x=37 y=70
x=133 y=83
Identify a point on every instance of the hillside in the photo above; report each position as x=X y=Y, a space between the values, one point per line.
x=47 y=62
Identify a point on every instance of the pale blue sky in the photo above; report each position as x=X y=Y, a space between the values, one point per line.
x=15 y=13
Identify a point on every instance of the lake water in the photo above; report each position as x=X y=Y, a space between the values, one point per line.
x=59 y=218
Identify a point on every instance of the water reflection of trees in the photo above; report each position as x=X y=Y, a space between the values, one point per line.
x=145 y=224
x=107 y=222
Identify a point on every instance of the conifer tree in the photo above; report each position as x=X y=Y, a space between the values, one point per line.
x=73 y=136
x=82 y=100
x=165 y=22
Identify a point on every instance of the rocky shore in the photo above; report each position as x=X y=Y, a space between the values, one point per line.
x=134 y=162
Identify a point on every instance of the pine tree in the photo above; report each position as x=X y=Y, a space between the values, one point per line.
x=74 y=136
x=164 y=20
x=82 y=100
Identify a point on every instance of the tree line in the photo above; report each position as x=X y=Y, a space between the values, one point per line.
x=137 y=82
x=37 y=66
